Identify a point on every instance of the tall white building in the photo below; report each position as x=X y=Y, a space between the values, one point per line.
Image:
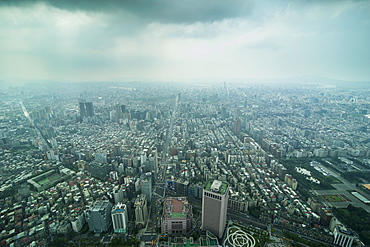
x=119 y=218
x=342 y=237
x=214 y=208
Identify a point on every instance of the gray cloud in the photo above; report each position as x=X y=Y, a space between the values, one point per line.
x=188 y=11
x=102 y=40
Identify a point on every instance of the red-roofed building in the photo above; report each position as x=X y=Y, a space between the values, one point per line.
x=177 y=215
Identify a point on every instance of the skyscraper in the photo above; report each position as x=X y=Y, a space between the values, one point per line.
x=237 y=126
x=119 y=218
x=214 y=208
x=86 y=109
x=82 y=109
x=141 y=211
x=99 y=216
x=89 y=109
x=146 y=185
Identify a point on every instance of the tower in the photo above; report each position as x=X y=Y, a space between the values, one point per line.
x=82 y=109
x=119 y=218
x=141 y=211
x=89 y=109
x=214 y=208
x=99 y=216
x=237 y=126
x=86 y=109
x=146 y=185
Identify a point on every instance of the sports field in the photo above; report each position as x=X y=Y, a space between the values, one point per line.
x=54 y=177
x=336 y=198
x=43 y=182
x=49 y=179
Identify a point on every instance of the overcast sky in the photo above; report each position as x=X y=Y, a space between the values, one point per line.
x=95 y=40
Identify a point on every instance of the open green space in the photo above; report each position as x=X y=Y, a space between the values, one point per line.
x=54 y=177
x=43 y=181
x=357 y=177
x=357 y=219
x=305 y=185
x=335 y=198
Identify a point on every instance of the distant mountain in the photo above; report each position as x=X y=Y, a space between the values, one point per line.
x=303 y=80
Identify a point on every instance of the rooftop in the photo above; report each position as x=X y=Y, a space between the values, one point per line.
x=176 y=207
x=216 y=186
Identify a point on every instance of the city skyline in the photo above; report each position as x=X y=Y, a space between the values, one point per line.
x=179 y=41
x=255 y=164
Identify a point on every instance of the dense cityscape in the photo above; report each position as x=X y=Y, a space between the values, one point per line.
x=159 y=164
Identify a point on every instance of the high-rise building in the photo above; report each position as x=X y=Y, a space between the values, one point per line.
x=146 y=185
x=214 y=208
x=196 y=190
x=89 y=109
x=82 y=109
x=177 y=215
x=99 y=216
x=155 y=157
x=182 y=186
x=86 y=109
x=118 y=193
x=119 y=218
x=237 y=126
x=98 y=169
x=141 y=211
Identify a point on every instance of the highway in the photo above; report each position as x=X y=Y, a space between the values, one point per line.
x=27 y=115
x=168 y=139
x=170 y=129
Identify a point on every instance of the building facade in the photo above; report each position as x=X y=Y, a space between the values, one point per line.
x=214 y=208
x=146 y=185
x=119 y=218
x=141 y=211
x=99 y=216
x=342 y=237
x=177 y=215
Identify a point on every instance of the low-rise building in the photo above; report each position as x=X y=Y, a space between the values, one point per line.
x=177 y=215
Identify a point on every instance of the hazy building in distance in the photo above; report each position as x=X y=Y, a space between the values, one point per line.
x=214 y=208
x=82 y=110
x=89 y=109
x=86 y=110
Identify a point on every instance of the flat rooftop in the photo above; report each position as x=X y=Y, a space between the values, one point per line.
x=176 y=207
x=216 y=186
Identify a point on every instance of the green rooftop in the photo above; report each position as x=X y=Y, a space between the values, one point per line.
x=177 y=215
x=222 y=188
